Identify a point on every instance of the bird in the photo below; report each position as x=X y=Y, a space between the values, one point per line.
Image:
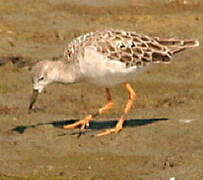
x=106 y=58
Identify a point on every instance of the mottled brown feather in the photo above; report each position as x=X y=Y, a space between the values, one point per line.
x=129 y=47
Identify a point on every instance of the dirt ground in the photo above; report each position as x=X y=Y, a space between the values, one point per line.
x=163 y=135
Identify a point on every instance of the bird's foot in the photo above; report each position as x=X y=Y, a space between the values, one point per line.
x=117 y=129
x=83 y=123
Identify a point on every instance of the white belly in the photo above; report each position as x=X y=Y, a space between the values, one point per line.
x=100 y=70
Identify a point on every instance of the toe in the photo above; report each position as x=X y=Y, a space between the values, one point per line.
x=83 y=123
x=109 y=131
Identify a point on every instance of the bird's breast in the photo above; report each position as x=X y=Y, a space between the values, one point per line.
x=102 y=71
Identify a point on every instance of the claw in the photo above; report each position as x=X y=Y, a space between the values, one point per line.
x=83 y=123
x=109 y=131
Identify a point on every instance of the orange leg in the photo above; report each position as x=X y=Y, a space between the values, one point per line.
x=85 y=122
x=128 y=107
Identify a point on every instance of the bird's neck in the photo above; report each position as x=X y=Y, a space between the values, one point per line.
x=66 y=73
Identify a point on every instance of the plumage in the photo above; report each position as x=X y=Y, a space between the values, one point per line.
x=106 y=58
x=129 y=47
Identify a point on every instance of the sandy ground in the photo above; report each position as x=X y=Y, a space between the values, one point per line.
x=163 y=135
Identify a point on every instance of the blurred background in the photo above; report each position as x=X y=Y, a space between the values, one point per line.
x=148 y=148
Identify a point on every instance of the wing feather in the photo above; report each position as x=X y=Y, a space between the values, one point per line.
x=129 y=47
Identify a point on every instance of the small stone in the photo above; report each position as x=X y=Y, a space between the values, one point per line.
x=15 y=118
x=49 y=167
x=9 y=32
x=186 y=120
x=61 y=174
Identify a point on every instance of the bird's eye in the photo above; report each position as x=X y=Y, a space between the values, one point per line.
x=41 y=78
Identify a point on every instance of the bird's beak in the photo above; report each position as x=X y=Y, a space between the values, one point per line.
x=33 y=99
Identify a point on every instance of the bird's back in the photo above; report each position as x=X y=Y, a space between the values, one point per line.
x=131 y=48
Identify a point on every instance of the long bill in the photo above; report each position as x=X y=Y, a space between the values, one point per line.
x=33 y=99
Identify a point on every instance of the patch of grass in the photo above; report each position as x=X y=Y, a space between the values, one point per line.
x=3 y=88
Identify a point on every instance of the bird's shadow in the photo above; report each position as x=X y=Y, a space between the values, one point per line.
x=94 y=125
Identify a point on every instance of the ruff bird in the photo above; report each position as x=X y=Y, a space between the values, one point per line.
x=106 y=58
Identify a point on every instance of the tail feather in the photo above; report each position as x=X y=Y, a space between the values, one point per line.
x=177 y=45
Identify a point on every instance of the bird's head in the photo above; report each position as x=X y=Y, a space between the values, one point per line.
x=43 y=73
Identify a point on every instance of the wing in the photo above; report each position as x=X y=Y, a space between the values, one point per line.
x=131 y=48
